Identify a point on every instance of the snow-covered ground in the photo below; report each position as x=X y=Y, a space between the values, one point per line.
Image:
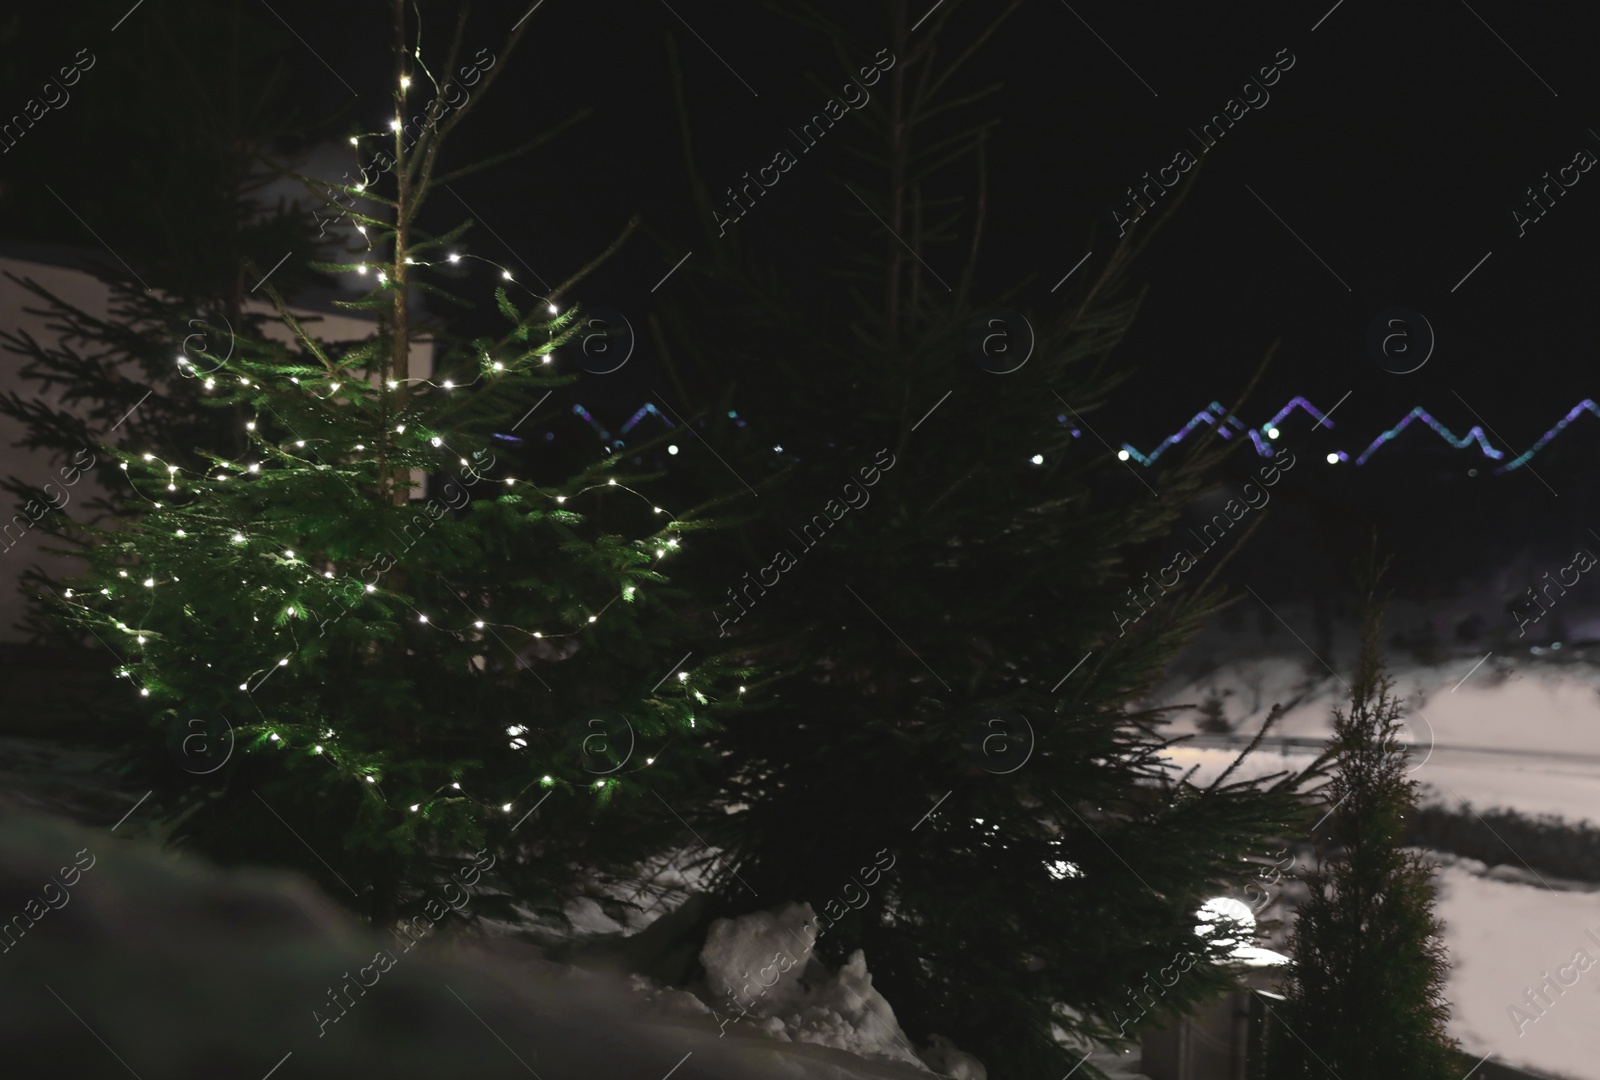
x=1504 y=939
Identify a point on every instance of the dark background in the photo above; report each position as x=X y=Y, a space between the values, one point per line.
x=1395 y=148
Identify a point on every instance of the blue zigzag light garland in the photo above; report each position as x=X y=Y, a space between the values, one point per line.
x=1227 y=426
x=1218 y=417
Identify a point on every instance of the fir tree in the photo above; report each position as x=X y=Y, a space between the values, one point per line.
x=365 y=684
x=1365 y=987
x=918 y=568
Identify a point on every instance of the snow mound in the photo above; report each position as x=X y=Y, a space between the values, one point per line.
x=761 y=968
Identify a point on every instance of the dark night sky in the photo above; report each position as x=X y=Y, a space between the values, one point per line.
x=1390 y=156
x=1394 y=148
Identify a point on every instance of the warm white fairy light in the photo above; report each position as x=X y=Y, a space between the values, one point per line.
x=144 y=692
x=448 y=385
x=498 y=366
x=180 y=532
x=506 y=274
x=479 y=625
x=414 y=807
x=552 y=309
x=561 y=498
x=140 y=639
x=370 y=780
x=354 y=141
x=672 y=449
x=316 y=749
x=249 y=425
x=437 y=441
x=254 y=467
x=422 y=618
x=372 y=588
x=149 y=583
x=401 y=428
x=300 y=443
x=506 y=808
x=393 y=384
x=592 y=618
x=210 y=383
x=362 y=269
x=238 y=538
x=394 y=125
x=273 y=737
x=683 y=676
x=456 y=786
x=455 y=258
x=509 y=481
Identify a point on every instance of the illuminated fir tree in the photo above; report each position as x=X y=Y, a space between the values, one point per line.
x=402 y=675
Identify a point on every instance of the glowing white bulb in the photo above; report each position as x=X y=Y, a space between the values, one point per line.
x=124 y=466
x=274 y=738
x=437 y=441
x=741 y=689
x=683 y=676
x=250 y=425
x=545 y=359
x=552 y=309
x=1272 y=433
x=479 y=625
x=242 y=686
x=400 y=428
x=354 y=141
x=506 y=808
x=599 y=783
x=592 y=618
x=254 y=467
x=1333 y=459
x=660 y=552
x=394 y=125
x=149 y=583
x=238 y=538
x=657 y=509
x=360 y=188
x=244 y=382
x=288 y=554
x=179 y=533
x=414 y=807
x=1122 y=455
x=448 y=385
x=372 y=588
x=140 y=639
x=370 y=780
x=464 y=461
x=537 y=634
x=422 y=618
x=362 y=269
x=393 y=384
x=210 y=383
x=509 y=481
x=455 y=258
x=611 y=483
x=300 y=442
x=506 y=274
x=673 y=449
x=498 y=366
x=361 y=446
x=333 y=386
x=1037 y=459
x=515 y=730
x=561 y=498
x=546 y=780
x=144 y=693
x=170 y=487
x=456 y=786
x=650 y=761
x=316 y=749
x=405 y=84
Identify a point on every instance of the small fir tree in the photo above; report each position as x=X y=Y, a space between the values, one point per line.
x=1365 y=986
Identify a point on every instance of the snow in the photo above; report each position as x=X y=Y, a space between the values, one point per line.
x=1504 y=938
x=761 y=969
x=1521 y=735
